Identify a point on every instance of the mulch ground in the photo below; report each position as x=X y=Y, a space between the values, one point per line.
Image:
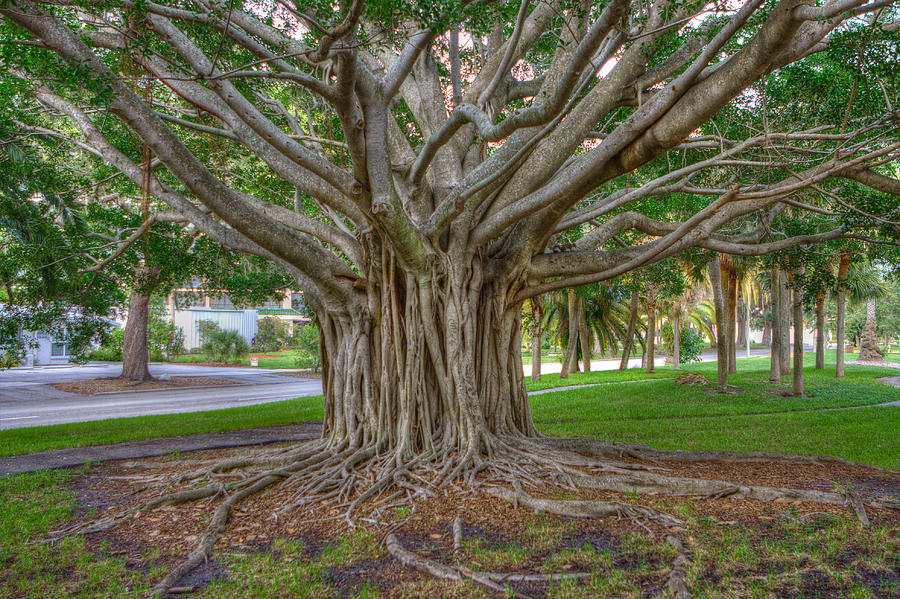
x=306 y=374
x=112 y=385
x=426 y=529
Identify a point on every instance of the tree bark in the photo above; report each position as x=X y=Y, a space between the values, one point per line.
x=784 y=324
x=730 y=291
x=676 y=342
x=632 y=326
x=776 y=324
x=537 y=333
x=715 y=277
x=843 y=268
x=868 y=343
x=651 y=338
x=572 y=340
x=584 y=336
x=767 y=333
x=820 y=332
x=135 y=353
x=798 y=339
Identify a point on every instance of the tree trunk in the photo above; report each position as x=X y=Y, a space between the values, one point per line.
x=135 y=353
x=632 y=325
x=585 y=337
x=715 y=277
x=776 y=324
x=868 y=344
x=798 y=339
x=537 y=333
x=422 y=366
x=843 y=268
x=784 y=321
x=676 y=342
x=651 y=338
x=767 y=333
x=820 y=332
x=742 y=323
x=572 y=340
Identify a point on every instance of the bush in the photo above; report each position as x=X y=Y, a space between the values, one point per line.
x=222 y=345
x=691 y=343
x=271 y=335
x=306 y=340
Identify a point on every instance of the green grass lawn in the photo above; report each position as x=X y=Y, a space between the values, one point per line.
x=283 y=359
x=633 y=407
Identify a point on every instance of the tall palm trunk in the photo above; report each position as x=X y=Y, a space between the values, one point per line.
x=537 y=332
x=777 y=299
x=651 y=338
x=584 y=336
x=676 y=342
x=868 y=345
x=715 y=277
x=843 y=268
x=572 y=341
x=632 y=325
x=820 y=332
x=798 y=339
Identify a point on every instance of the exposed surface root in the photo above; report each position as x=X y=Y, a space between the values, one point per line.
x=586 y=509
x=675 y=581
x=361 y=483
x=433 y=568
x=644 y=452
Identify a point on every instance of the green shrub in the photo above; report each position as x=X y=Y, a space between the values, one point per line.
x=271 y=335
x=691 y=343
x=222 y=345
x=306 y=342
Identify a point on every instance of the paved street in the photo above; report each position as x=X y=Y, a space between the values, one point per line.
x=27 y=400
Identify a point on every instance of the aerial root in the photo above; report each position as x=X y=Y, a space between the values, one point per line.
x=585 y=509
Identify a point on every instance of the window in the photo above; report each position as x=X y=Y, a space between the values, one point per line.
x=58 y=350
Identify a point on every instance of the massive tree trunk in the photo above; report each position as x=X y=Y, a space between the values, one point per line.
x=868 y=343
x=422 y=369
x=798 y=338
x=715 y=277
x=820 y=332
x=843 y=268
x=135 y=352
x=632 y=326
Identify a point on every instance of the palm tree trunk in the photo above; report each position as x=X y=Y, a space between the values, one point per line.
x=784 y=319
x=798 y=340
x=651 y=338
x=572 y=341
x=843 y=268
x=632 y=325
x=715 y=277
x=584 y=336
x=775 y=363
x=537 y=332
x=676 y=342
x=820 y=332
x=868 y=344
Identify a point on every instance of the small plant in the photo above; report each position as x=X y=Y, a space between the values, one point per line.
x=222 y=345
x=691 y=343
x=306 y=340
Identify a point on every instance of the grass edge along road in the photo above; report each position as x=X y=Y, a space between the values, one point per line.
x=630 y=409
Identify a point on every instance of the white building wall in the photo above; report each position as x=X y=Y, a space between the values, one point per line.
x=242 y=321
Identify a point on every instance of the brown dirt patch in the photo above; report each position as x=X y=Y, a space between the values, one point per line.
x=496 y=526
x=306 y=374
x=111 y=385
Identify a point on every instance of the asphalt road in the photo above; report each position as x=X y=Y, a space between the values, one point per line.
x=27 y=400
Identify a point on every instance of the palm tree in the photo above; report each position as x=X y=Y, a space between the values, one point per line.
x=864 y=283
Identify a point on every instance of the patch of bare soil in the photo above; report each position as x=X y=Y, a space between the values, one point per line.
x=306 y=374
x=497 y=535
x=691 y=378
x=111 y=385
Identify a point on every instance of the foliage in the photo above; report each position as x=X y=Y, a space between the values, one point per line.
x=690 y=346
x=164 y=339
x=271 y=335
x=222 y=345
x=306 y=340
